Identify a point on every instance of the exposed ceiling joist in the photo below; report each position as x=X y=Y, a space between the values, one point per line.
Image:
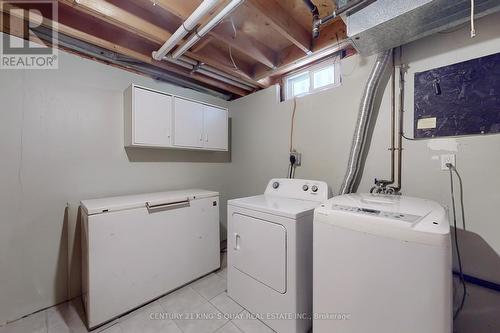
x=117 y=16
x=283 y=23
x=204 y=42
x=246 y=44
x=212 y=55
x=125 y=20
x=295 y=64
x=332 y=40
x=80 y=35
x=253 y=48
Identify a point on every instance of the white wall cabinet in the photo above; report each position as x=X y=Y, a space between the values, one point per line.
x=152 y=118
x=160 y=120
x=215 y=128
x=188 y=123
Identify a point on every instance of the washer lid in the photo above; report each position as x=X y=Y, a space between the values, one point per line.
x=275 y=205
x=385 y=213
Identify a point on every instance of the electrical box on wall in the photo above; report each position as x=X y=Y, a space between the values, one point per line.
x=297 y=156
x=458 y=99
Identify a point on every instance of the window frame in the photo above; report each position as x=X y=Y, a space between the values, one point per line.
x=310 y=70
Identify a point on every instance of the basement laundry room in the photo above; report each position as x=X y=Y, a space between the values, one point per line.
x=250 y=166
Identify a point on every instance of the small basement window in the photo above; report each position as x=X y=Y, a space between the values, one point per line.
x=321 y=76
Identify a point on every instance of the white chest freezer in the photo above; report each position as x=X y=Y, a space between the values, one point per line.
x=137 y=248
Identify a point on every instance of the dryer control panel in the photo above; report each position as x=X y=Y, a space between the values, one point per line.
x=302 y=189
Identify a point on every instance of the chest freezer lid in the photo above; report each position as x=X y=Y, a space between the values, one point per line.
x=104 y=205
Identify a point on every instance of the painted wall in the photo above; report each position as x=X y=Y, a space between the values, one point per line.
x=61 y=141
x=324 y=127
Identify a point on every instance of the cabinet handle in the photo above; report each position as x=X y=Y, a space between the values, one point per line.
x=206 y=137
x=201 y=136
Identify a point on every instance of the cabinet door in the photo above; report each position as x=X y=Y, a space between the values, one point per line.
x=216 y=131
x=188 y=123
x=152 y=118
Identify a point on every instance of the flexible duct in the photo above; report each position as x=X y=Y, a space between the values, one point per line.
x=363 y=122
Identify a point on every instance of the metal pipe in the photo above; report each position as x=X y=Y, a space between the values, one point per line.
x=219 y=72
x=198 y=34
x=318 y=22
x=393 y=116
x=197 y=67
x=381 y=184
x=216 y=71
x=312 y=7
x=351 y=6
x=230 y=81
x=186 y=27
x=315 y=17
x=363 y=122
x=402 y=71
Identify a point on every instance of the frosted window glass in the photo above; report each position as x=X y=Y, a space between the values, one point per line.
x=300 y=84
x=324 y=77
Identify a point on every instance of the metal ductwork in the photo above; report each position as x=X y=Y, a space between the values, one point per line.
x=385 y=24
x=363 y=122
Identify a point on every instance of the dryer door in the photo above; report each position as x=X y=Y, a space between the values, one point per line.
x=259 y=249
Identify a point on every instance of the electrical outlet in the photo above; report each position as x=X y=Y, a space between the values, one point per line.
x=445 y=159
x=298 y=159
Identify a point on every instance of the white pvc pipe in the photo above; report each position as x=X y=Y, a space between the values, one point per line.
x=206 y=28
x=185 y=28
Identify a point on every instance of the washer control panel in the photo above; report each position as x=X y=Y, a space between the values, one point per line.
x=409 y=218
x=299 y=189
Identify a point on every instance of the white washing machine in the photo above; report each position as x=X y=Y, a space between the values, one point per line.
x=270 y=252
x=382 y=264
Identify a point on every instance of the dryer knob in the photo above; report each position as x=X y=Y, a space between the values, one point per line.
x=305 y=187
x=276 y=185
x=314 y=188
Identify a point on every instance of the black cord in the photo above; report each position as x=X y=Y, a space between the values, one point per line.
x=453 y=169
x=407 y=138
x=461 y=196
x=291 y=172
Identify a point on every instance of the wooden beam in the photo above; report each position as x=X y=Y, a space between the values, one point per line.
x=265 y=77
x=283 y=23
x=117 y=16
x=253 y=48
x=201 y=44
x=212 y=56
x=122 y=19
x=80 y=35
x=181 y=9
x=332 y=39
x=246 y=44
